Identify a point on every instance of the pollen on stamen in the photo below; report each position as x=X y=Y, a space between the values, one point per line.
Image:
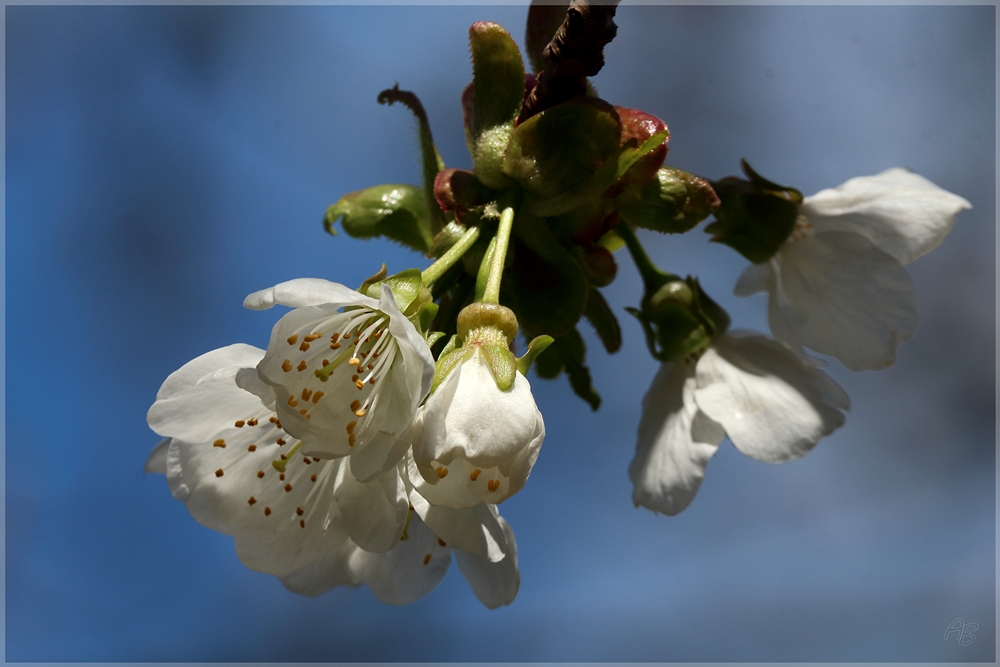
x=442 y=472
x=360 y=384
x=293 y=339
x=347 y=336
x=306 y=393
x=474 y=475
x=298 y=510
x=313 y=336
x=427 y=559
x=219 y=443
x=273 y=420
x=493 y=484
x=288 y=487
x=280 y=441
x=312 y=478
x=334 y=346
x=286 y=365
x=304 y=346
x=252 y=448
x=239 y=423
x=318 y=395
x=359 y=413
x=252 y=422
x=267 y=511
x=251 y=501
x=291 y=401
x=301 y=367
x=334 y=337
x=354 y=361
x=218 y=473
x=441 y=542
x=260 y=473
x=326 y=362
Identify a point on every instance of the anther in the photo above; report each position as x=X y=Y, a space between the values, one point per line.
x=359 y=413
x=283 y=457
x=302 y=523
x=280 y=441
x=334 y=346
x=252 y=422
x=292 y=339
x=303 y=411
x=351 y=425
x=286 y=365
x=442 y=472
x=252 y=448
x=355 y=404
x=347 y=336
x=316 y=459
x=326 y=362
x=372 y=381
x=260 y=474
x=281 y=477
x=288 y=487
x=304 y=346
x=441 y=542
x=301 y=367
x=318 y=395
x=218 y=473
x=306 y=393
x=334 y=337
x=313 y=336
x=350 y=439
x=305 y=459
x=298 y=510
x=493 y=484
x=354 y=361
x=219 y=443
x=240 y=423
x=312 y=478
x=267 y=511
x=474 y=475
x=427 y=559
x=251 y=501
x=354 y=378
x=291 y=401
x=360 y=384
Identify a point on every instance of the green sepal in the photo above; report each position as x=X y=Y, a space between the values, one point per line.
x=607 y=175
x=559 y=149
x=433 y=337
x=672 y=202
x=430 y=158
x=451 y=356
x=679 y=319
x=548 y=286
x=501 y=363
x=567 y=353
x=600 y=315
x=425 y=319
x=406 y=288
x=755 y=217
x=498 y=91
x=397 y=212
x=716 y=319
x=537 y=345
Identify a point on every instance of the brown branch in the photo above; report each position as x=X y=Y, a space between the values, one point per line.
x=575 y=53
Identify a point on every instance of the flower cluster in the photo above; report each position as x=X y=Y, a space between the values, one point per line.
x=381 y=427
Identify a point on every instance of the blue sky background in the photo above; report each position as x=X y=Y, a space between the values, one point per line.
x=163 y=162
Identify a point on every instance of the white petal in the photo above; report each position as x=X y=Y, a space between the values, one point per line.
x=840 y=295
x=374 y=512
x=306 y=292
x=773 y=406
x=474 y=529
x=417 y=357
x=753 y=280
x=248 y=379
x=480 y=423
x=407 y=573
x=328 y=571
x=494 y=584
x=676 y=440
x=157 y=461
x=180 y=407
x=902 y=213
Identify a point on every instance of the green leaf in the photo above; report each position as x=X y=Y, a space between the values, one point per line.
x=559 y=149
x=496 y=97
x=599 y=314
x=397 y=212
x=673 y=202
x=567 y=353
x=548 y=286
x=430 y=158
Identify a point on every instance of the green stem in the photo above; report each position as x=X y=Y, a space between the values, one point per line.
x=652 y=276
x=445 y=262
x=492 y=293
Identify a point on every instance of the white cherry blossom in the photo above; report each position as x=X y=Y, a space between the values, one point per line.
x=307 y=519
x=346 y=382
x=837 y=285
x=773 y=405
x=473 y=442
